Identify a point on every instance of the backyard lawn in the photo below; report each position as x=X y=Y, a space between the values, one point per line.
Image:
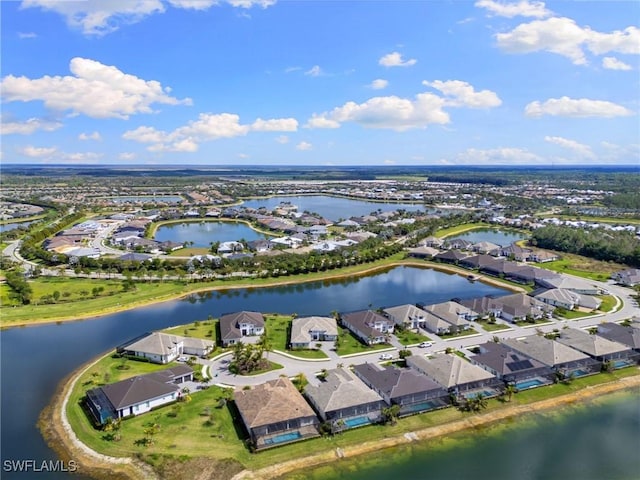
x=582 y=267
x=410 y=337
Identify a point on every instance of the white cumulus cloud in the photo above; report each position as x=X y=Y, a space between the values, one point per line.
x=275 y=125
x=612 y=63
x=37 y=152
x=314 y=71
x=100 y=17
x=95 y=90
x=90 y=136
x=394 y=59
x=572 y=107
x=379 y=84
x=578 y=148
x=522 y=8
x=564 y=37
x=501 y=155
x=399 y=113
x=462 y=94
x=304 y=146
x=28 y=126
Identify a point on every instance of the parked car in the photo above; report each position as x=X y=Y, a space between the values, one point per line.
x=425 y=344
x=182 y=359
x=386 y=356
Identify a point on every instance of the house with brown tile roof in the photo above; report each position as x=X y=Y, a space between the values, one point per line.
x=275 y=413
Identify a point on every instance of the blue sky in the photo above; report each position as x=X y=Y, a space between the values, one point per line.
x=480 y=82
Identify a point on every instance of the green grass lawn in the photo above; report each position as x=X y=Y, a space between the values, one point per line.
x=277 y=328
x=608 y=302
x=464 y=333
x=573 y=314
x=410 y=337
x=205 y=427
x=188 y=252
x=465 y=227
x=494 y=327
x=205 y=329
x=349 y=344
x=582 y=267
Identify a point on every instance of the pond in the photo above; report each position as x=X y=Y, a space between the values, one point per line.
x=144 y=199
x=499 y=237
x=13 y=225
x=203 y=233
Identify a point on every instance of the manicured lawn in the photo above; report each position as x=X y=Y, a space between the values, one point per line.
x=205 y=329
x=206 y=427
x=272 y=366
x=608 y=302
x=494 y=327
x=304 y=353
x=188 y=252
x=464 y=333
x=572 y=314
x=410 y=337
x=277 y=328
x=465 y=227
x=349 y=344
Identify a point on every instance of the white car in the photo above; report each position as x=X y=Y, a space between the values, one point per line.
x=386 y=356
x=182 y=359
x=425 y=344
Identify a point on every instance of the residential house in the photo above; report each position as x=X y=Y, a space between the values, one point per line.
x=628 y=278
x=410 y=390
x=134 y=257
x=158 y=347
x=477 y=262
x=486 y=248
x=407 y=316
x=455 y=374
x=458 y=316
x=432 y=242
x=556 y=355
x=598 y=347
x=516 y=252
x=370 y=327
x=570 y=283
x=626 y=335
x=568 y=299
x=511 y=366
x=344 y=400
x=312 y=329
x=450 y=256
x=234 y=326
x=275 y=413
x=423 y=252
x=542 y=256
x=229 y=247
x=457 y=244
x=136 y=395
x=519 y=307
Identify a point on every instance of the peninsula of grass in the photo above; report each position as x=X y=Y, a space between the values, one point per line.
x=208 y=426
x=458 y=229
x=608 y=302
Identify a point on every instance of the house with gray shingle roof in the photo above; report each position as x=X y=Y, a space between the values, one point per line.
x=408 y=316
x=410 y=390
x=568 y=299
x=159 y=347
x=136 y=395
x=556 y=355
x=570 y=283
x=234 y=326
x=275 y=413
x=312 y=329
x=509 y=365
x=519 y=306
x=370 y=327
x=344 y=400
x=629 y=277
x=454 y=373
x=629 y=336
x=456 y=315
x=596 y=346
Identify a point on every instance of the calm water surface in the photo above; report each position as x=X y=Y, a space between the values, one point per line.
x=499 y=237
x=598 y=442
x=145 y=198
x=332 y=208
x=203 y=233
x=11 y=226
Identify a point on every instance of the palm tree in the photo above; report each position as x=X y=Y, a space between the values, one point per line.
x=509 y=391
x=390 y=414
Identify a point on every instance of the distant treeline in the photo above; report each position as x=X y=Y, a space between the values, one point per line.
x=623 y=200
x=620 y=247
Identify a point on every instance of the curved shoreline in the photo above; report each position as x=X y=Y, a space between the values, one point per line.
x=154 y=228
x=55 y=427
x=337 y=276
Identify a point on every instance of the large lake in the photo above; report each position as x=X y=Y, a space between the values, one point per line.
x=333 y=208
x=35 y=359
x=13 y=225
x=203 y=233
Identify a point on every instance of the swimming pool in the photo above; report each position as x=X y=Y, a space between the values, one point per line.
x=579 y=373
x=529 y=384
x=357 y=422
x=420 y=407
x=283 y=437
x=485 y=393
x=622 y=363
